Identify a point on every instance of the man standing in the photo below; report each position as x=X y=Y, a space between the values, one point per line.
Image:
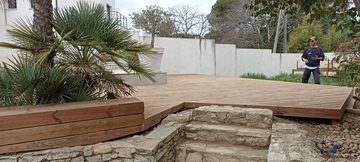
x=312 y=56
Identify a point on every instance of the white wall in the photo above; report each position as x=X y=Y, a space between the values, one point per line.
x=194 y=56
x=5 y=52
x=203 y=56
x=225 y=62
x=251 y=61
x=140 y=38
x=187 y=56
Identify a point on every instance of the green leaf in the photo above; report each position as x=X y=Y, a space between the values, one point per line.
x=346 y=29
x=339 y=23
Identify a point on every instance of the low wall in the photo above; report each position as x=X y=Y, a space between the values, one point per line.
x=203 y=56
x=136 y=80
x=41 y=127
x=158 y=145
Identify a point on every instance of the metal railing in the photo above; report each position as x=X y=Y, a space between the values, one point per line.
x=121 y=18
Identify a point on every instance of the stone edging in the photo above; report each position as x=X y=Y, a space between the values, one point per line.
x=289 y=143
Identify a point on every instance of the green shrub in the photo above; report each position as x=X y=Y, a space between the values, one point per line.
x=253 y=76
x=25 y=82
x=345 y=81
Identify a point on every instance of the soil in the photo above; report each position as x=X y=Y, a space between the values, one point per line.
x=346 y=132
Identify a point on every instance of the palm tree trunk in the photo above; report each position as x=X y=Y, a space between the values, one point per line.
x=42 y=25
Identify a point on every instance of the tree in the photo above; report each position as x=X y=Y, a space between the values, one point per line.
x=332 y=39
x=231 y=23
x=341 y=11
x=42 y=17
x=153 y=20
x=92 y=39
x=298 y=39
x=188 y=20
x=42 y=25
x=85 y=40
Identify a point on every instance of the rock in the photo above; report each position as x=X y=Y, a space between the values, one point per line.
x=148 y=147
x=106 y=157
x=78 y=159
x=31 y=158
x=125 y=152
x=193 y=157
x=88 y=151
x=295 y=156
x=181 y=157
x=96 y=158
x=102 y=148
x=8 y=159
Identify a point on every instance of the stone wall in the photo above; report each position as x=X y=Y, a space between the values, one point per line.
x=158 y=145
x=290 y=143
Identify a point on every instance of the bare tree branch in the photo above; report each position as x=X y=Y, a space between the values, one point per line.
x=188 y=20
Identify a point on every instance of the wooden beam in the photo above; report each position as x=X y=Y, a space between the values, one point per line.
x=59 y=130
x=38 y=115
x=75 y=140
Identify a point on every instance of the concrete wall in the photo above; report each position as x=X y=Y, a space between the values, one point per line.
x=226 y=64
x=187 y=56
x=203 y=56
x=270 y=64
x=195 y=56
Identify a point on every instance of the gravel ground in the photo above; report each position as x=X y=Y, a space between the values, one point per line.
x=346 y=132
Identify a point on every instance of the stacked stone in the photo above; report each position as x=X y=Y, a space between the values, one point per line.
x=289 y=143
x=224 y=133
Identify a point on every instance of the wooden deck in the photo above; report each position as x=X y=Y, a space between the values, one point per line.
x=285 y=99
x=38 y=127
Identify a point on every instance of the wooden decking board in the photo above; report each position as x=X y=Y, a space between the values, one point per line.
x=7 y=111
x=73 y=128
x=62 y=113
x=75 y=140
x=288 y=99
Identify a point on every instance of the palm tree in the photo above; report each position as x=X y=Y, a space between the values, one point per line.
x=42 y=18
x=25 y=82
x=92 y=39
x=86 y=39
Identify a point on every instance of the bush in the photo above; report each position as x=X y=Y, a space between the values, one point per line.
x=346 y=81
x=254 y=76
x=25 y=82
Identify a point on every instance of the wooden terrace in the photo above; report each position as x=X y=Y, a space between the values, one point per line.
x=38 y=127
x=284 y=98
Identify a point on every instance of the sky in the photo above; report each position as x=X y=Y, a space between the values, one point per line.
x=126 y=7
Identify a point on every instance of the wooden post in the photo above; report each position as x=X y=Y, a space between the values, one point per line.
x=297 y=64
x=335 y=121
x=327 y=69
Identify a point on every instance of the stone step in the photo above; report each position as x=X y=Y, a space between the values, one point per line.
x=251 y=117
x=191 y=151
x=239 y=135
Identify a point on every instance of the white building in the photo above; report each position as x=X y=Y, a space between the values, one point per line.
x=22 y=9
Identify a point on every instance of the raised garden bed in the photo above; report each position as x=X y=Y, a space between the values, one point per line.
x=39 y=127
